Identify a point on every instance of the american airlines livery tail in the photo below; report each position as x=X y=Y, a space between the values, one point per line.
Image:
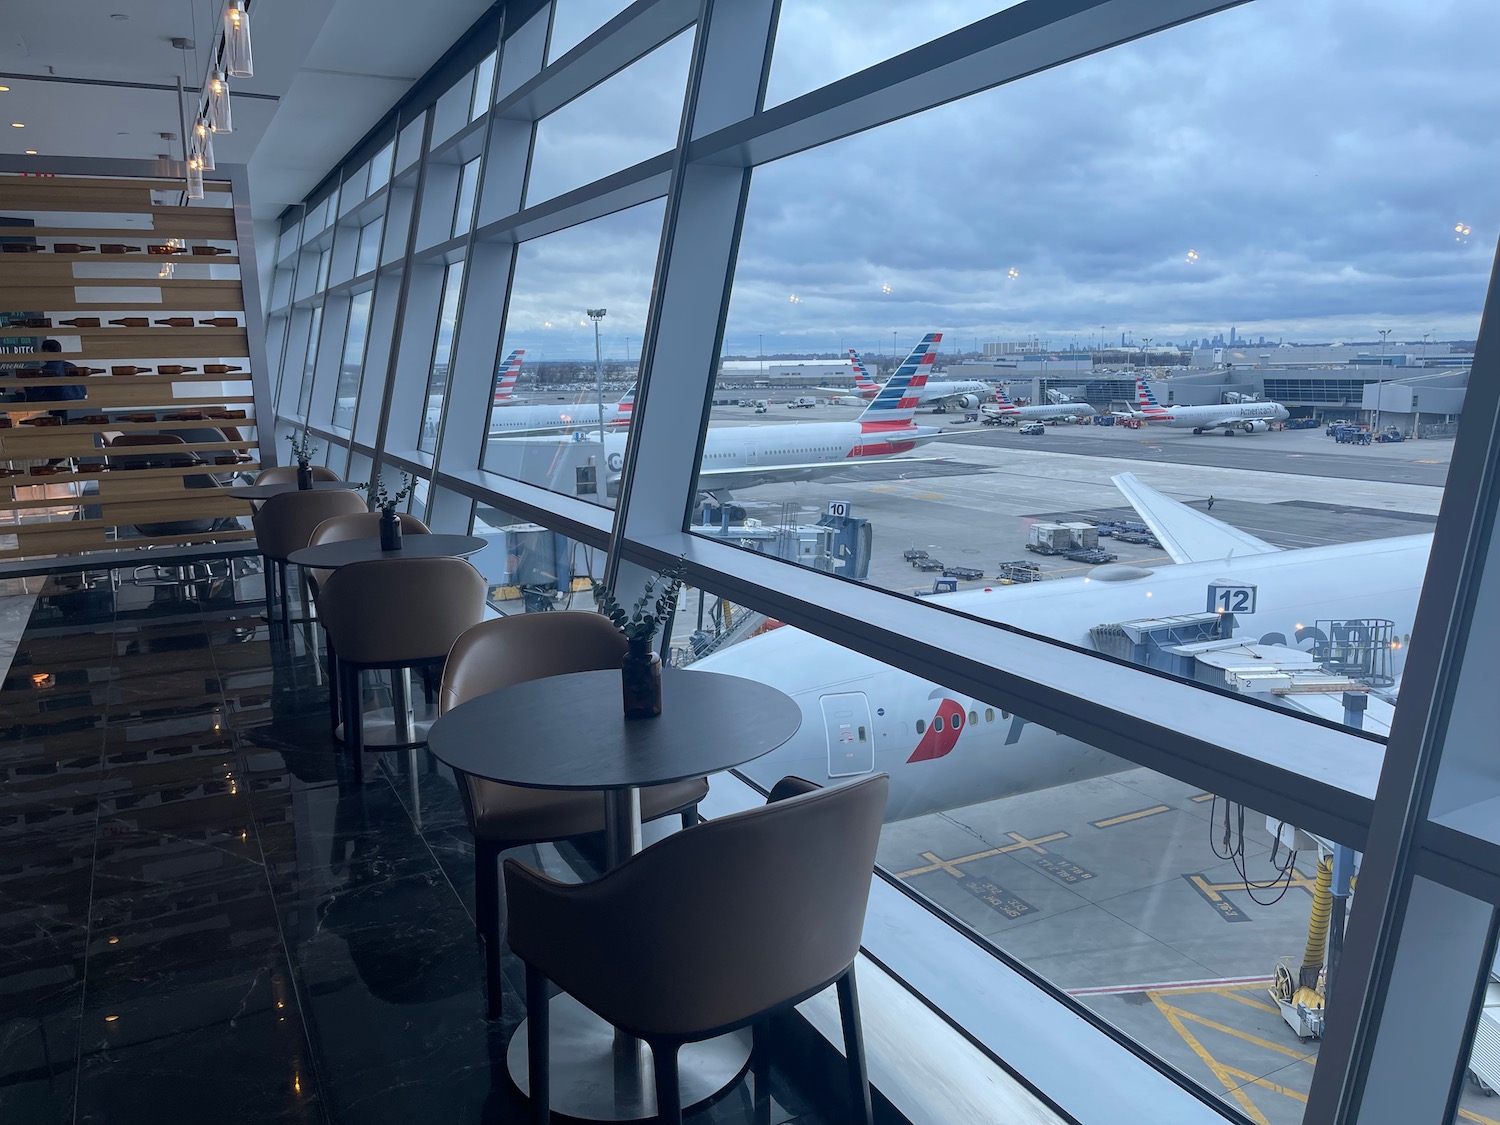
x=505 y=378
x=1003 y=407
x=867 y=387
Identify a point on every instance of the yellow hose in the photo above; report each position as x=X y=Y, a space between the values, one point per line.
x=1317 y=924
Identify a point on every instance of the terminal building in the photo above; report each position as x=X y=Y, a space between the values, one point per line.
x=1167 y=840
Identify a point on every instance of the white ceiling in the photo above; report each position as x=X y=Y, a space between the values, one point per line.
x=334 y=68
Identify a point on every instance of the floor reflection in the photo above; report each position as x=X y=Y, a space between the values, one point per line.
x=204 y=916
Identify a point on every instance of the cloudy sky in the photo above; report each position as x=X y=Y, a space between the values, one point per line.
x=1314 y=156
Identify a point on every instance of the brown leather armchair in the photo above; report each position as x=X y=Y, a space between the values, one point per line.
x=175 y=455
x=395 y=613
x=710 y=930
x=285 y=523
x=511 y=650
x=356 y=525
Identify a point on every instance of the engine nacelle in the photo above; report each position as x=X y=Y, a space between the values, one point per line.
x=1254 y=426
x=969 y=402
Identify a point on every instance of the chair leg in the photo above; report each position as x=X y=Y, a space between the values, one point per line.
x=760 y=1070
x=538 y=1045
x=690 y=817
x=484 y=887
x=854 y=1048
x=286 y=613
x=354 y=715
x=268 y=579
x=668 y=1092
x=335 y=686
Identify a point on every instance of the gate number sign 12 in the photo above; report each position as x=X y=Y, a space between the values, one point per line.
x=1231 y=597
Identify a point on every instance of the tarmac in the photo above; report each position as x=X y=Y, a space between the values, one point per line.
x=1120 y=890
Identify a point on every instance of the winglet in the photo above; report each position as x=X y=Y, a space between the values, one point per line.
x=1188 y=534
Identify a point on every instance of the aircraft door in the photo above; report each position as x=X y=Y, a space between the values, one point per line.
x=851 y=739
x=750 y=454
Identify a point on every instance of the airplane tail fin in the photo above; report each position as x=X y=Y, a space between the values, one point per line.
x=1003 y=403
x=862 y=381
x=1187 y=534
x=896 y=404
x=505 y=378
x=1145 y=400
x=623 y=409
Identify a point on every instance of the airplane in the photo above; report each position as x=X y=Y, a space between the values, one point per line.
x=540 y=419
x=743 y=456
x=965 y=395
x=505 y=379
x=946 y=750
x=1002 y=407
x=1251 y=417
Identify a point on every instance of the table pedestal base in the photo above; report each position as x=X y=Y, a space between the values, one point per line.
x=598 y=1075
x=383 y=731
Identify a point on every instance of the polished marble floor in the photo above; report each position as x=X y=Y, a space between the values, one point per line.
x=204 y=918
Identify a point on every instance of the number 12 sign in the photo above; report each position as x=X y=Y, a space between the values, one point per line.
x=1231 y=597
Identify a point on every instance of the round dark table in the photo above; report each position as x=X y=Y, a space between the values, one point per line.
x=708 y=722
x=266 y=491
x=331 y=556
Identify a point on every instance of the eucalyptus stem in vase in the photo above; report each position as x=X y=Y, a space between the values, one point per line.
x=386 y=503
x=640 y=668
x=303 y=447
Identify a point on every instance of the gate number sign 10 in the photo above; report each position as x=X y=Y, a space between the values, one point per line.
x=1231 y=597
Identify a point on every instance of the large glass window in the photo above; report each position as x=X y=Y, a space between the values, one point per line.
x=351 y=360
x=1057 y=295
x=554 y=438
x=573 y=21
x=367 y=253
x=304 y=390
x=620 y=122
x=442 y=356
x=484 y=86
x=468 y=193
x=530 y=568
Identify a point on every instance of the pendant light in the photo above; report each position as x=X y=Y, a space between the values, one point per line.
x=216 y=105
x=195 y=177
x=203 y=144
x=237 y=60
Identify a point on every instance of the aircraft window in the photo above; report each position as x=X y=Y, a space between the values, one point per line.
x=937 y=722
x=921 y=725
x=1004 y=716
x=989 y=714
x=973 y=717
x=861 y=734
x=957 y=720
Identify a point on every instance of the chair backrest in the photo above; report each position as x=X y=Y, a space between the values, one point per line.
x=509 y=650
x=393 y=611
x=738 y=915
x=159 y=458
x=287 y=474
x=285 y=523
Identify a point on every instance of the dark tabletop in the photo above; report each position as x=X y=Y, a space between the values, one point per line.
x=266 y=491
x=570 y=732
x=331 y=556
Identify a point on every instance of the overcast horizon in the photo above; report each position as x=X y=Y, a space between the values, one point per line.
x=1307 y=170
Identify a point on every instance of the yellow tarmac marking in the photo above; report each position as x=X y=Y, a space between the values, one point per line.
x=1235 y=996
x=1211 y=890
x=929 y=496
x=1220 y=1071
x=951 y=865
x=1472 y=1116
x=1201 y=797
x=1123 y=818
x=1300 y=1056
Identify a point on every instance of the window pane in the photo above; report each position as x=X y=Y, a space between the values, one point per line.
x=442 y=354
x=818 y=41
x=380 y=167
x=468 y=191
x=531 y=569
x=367 y=254
x=351 y=361
x=620 y=122
x=484 y=86
x=1050 y=284
x=573 y=21
x=604 y=264
x=304 y=392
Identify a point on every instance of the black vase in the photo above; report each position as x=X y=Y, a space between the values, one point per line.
x=304 y=476
x=640 y=683
x=390 y=530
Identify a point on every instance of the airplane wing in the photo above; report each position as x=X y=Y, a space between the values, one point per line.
x=1187 y=534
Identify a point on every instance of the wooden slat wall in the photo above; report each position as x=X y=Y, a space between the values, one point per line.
x=60 y=493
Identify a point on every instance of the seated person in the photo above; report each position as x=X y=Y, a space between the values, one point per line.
x=62 y=369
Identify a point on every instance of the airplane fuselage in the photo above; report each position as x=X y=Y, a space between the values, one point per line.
x=1043 y=413
x=538 y=419
x=859 y=714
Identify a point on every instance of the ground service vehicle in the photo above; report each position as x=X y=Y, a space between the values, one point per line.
x=1032 y=428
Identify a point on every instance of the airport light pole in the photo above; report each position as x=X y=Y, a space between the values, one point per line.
x=1380 y=382
x=596 y=315
x=1145 y=347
